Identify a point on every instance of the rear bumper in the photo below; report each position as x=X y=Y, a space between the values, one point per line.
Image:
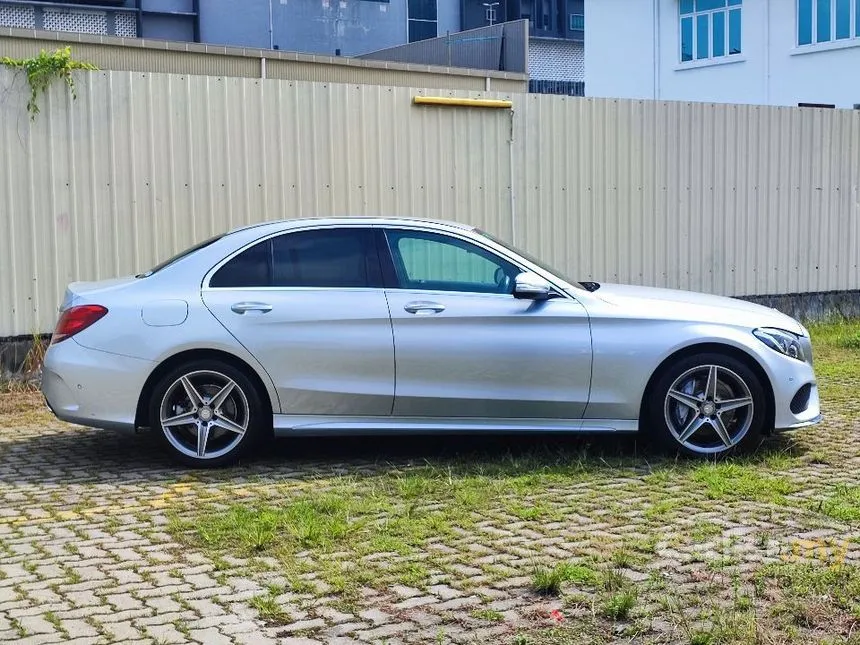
x=93 y=388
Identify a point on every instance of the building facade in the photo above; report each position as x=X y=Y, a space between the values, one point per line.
x=331 y=27
x=769 y=52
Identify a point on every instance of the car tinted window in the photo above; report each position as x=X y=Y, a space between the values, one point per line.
x=438 y=262
x=180 y=255
x=251 y=268
x=324 y=258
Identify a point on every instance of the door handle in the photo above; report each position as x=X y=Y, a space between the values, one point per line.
x=242 y=307
x=424 y=307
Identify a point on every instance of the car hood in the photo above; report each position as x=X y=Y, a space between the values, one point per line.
x=653 y=302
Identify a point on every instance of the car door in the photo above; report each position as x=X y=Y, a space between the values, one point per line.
x=465 y=347
x=309 y=305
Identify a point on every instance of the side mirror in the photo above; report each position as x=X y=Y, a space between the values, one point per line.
x=530 y=286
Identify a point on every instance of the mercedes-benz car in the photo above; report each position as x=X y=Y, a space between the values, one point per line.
x=375 y=325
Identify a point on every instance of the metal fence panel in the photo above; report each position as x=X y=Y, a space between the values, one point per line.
x=143 y=165
x=736 y=200
x=727 y=199
x=500 y=47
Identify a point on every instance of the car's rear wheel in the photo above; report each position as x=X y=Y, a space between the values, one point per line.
x=707 y=405
x=208 y=413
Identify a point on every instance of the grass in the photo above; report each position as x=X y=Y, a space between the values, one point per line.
x=735 y=480
x=269 y=609
x=843 y=504
x=548 y=581
x=619 y=605
x=488 y=615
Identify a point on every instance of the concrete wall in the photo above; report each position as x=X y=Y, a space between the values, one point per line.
x=633 y=51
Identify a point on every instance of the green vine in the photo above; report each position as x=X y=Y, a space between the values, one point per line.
x=43 y=69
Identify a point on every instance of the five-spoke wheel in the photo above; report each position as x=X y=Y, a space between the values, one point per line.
x=207 y=412
x=708 y=404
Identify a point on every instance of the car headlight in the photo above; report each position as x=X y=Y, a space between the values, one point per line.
x=781 y=341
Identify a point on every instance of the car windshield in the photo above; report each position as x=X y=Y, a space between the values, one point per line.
x=179 y=256
x=528 y=256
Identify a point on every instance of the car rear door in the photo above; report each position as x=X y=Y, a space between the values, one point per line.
x=465 y=347
x=309 y=305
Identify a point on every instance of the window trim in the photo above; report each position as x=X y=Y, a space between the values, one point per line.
x=693 y=16
x=373 y=248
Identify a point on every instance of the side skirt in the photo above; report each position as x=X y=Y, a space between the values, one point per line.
x=293 y=425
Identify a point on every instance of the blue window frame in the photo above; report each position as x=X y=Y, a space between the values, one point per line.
x=824 y=21
x=710 y=28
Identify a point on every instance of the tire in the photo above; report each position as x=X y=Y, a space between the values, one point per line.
x=694 y=421
x=233 y=426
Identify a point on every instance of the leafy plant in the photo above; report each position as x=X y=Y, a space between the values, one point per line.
x=618 y=606
x=548 y=581
x=43 y=69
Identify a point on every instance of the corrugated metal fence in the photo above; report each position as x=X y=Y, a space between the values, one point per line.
x=737 y=200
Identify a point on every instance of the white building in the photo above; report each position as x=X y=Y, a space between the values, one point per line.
x=771 y=52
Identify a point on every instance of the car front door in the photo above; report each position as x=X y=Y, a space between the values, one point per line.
x=465 y=347
x=309 y=305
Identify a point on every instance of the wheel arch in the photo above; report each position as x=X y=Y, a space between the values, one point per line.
x=729 y=350
x=141 y=417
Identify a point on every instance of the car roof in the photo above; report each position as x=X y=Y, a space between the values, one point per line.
x=328 y=221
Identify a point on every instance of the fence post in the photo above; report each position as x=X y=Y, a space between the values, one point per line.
x=448 y=45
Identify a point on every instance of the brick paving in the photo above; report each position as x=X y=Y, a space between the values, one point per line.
x=86 y=554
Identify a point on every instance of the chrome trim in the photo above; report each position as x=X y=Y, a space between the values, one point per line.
x=802 y=424
x=289 y=425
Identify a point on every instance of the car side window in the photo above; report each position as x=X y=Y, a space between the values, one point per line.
x=325 y=258
x=339 y=257
x=251 y=268
x=438 y=262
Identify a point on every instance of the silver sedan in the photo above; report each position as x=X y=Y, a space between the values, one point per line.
x=345 y=326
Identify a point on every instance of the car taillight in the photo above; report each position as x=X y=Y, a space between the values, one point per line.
x=75 y=320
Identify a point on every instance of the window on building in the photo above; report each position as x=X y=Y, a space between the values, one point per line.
x=422 y=20
x=710 y=29
x=824 y=21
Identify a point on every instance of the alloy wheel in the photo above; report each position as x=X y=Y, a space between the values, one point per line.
x=709 y=409
x=204 y=414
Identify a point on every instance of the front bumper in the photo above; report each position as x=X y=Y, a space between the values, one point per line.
x=788 y=377
x=802 y=424
x=93 y=388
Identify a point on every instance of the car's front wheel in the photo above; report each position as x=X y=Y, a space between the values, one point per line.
x=207 y=412
x=707 y=405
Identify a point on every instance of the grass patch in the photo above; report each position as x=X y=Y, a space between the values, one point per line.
x=704 y=531
x=839 y=584
x=619 y=605
x=548 y=581
x=844 y=504
x=269 y=609
x=489 y=615
x=733 y=480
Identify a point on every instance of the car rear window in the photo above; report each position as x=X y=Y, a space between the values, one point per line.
x=182 y=254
